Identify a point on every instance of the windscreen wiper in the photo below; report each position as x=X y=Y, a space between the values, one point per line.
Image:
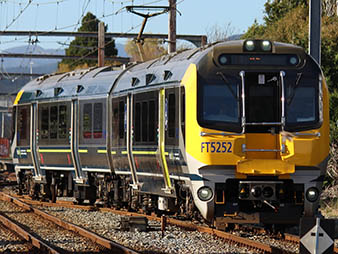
x=290 y=98
x=226 y=81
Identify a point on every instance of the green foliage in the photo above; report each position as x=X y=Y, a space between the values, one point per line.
x=329 y=51
x=87 y=46
x=334 y=116
x=277 y=9
x=255 y=31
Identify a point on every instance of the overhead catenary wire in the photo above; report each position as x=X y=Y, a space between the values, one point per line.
x=75 y=26
x=20 y=13
x=82 y=15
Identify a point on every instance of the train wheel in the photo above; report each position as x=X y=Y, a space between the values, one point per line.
x=92 y=201
x=79 y=201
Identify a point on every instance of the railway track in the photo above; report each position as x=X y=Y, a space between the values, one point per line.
x=13 y=242
x=257 y=247
x=231 y=238
x=87 y=240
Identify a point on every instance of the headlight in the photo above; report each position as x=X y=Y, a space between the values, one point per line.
x=205 y=193
x=249 y=45
x=312 y=194
x=266 y=46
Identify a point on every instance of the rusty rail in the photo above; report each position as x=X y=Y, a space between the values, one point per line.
x=113 y=246
x=43 y=247
x=260 y=247
x=265 y=248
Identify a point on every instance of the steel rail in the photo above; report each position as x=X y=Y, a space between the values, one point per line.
x=42 y=246
x=265 y=248
x=113 y=246
x=261 y=247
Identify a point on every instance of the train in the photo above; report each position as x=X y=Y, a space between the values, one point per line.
x=6 y=132
x=232 y=132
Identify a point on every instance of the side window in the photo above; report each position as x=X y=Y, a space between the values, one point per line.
x=145 y=118
x=145 y=122
x=137 y=122
x=63 y=122
x=87 y=121
x=53 y=122
x=171 y=115
x=44 y=130
x=118 y=121
x=23 y=126
x=152 y=125
x=92 y=122
x=121 y=119
x=98 y=120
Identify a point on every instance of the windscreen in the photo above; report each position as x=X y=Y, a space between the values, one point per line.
x=302 y=103
x=218 y=104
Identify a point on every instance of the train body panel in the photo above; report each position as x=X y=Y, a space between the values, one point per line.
x=236 y=132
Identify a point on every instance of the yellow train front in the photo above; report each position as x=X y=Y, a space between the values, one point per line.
x=257 y=132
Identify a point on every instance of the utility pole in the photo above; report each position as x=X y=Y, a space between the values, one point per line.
x=172 y=27
x=101 y=44
x=315 y=14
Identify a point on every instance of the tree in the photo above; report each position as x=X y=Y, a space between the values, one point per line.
x=152 y=49
x=329 y=7
x=87 y=46
x=219 y=33
x=276 y=9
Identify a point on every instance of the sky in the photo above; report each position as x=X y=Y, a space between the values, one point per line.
x=195 y=17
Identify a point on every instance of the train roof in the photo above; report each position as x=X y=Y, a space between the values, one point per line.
x=102 y=81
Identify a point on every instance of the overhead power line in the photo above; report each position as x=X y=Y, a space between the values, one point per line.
x=46 y=56
x=197 y=40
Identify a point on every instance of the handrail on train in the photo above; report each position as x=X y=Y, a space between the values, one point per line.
x=242 y=74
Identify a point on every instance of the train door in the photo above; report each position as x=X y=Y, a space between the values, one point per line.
x=6 y=134
x=74 y=143
x=145 y=142
x=39 y=176
x=263 y=114
x=23 y=135
x=172 y=130
x=119 y=152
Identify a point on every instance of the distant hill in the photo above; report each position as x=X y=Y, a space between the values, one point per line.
x=234 y=37
x=22 y=65
x=19 y=65
x=11 y=85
